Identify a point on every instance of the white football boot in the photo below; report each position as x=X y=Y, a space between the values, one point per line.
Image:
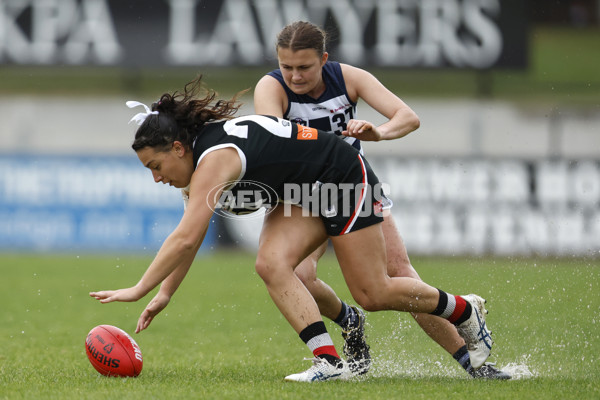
x=321 y=371
x=475 y=332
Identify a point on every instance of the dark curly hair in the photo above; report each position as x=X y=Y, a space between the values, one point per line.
x=181 y=115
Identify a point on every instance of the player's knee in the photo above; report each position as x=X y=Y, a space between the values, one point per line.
x=273 y=270
x=305 y=279
x=264 y=268
x=370 y=300
x=401 y=268
x=372 y=305
x=306 y=275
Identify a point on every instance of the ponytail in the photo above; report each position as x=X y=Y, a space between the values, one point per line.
x=181 y=116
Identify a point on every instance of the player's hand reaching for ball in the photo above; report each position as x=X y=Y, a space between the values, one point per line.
x=126 y=295
x=156 y=305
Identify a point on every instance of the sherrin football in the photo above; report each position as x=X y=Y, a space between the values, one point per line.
x=113 y=352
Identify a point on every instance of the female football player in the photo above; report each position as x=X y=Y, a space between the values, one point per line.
x=197 y=145
x=313 y=91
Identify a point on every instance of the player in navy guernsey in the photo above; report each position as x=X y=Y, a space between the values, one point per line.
x=310 y=89
x=330 y=112
x=195 y=144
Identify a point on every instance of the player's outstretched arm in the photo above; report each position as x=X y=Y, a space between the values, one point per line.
x=180 y=247
x=163 y=297
x=125 y=295
x=156 y=305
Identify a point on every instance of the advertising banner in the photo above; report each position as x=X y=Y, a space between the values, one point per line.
x=442 y=206
x=496 y=206
x=469 y=206
x=70 y=203
x=393 y=33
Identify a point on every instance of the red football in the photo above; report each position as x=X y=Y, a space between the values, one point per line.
x=113 y=352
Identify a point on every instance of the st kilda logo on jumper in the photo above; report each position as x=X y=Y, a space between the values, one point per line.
x=242 y=199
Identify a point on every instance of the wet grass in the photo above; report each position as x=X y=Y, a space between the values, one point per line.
x=222 y=338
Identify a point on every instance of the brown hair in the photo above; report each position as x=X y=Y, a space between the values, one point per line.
x=181 y=115
x=301 y=35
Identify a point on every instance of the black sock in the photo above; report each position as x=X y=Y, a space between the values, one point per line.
x=347 y=317
x=336 y=362
x=463 y=358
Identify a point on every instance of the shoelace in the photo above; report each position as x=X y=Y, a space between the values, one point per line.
x=315 y=360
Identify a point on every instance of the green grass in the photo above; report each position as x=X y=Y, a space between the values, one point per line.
x=563 y=70
x=222 y=338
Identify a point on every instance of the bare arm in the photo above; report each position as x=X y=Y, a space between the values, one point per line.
x=163 y=297
x=401 y=118
x=179 y=249
x=269 y=97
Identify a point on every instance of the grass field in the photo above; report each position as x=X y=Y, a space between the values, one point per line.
x=222 y=338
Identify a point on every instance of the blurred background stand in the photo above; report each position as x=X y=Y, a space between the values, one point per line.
x=507 y=159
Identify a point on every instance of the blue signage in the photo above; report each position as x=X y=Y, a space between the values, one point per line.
x=90 y=203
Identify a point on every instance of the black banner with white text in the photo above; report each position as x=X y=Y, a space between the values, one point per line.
x=391 y=33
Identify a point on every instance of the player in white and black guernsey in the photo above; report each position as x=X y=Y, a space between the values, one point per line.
x=190 y=142
x=277 y=152
x=330 y=112
x=309 y=88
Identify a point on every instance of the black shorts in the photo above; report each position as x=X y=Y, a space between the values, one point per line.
x=354 y=203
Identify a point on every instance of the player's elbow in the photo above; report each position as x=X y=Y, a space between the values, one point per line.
x=407 y=121
x=185 y=243
x=188 y=245
x=414 y=122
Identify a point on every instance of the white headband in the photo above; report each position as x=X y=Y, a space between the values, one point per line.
x=140 y=117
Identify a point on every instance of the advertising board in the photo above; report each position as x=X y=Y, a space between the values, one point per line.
x=471 y=206
x=98 y=203
x=393 y=33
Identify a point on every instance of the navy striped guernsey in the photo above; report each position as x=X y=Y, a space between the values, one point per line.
x=330 y=112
